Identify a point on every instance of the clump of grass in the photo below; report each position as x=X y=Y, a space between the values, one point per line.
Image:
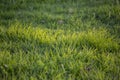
x=57 y=54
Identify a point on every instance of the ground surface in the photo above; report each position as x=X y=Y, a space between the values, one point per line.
x=59 y=40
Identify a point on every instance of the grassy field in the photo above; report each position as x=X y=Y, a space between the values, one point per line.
x=59 y=40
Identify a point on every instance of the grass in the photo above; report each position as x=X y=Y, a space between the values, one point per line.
x=59 y=40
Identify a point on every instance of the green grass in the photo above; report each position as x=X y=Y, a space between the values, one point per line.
x=59 y=40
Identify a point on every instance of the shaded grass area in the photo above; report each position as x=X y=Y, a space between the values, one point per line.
x=80 y=14
x=59 y=39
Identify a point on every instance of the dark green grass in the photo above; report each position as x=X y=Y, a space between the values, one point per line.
x=59 y=40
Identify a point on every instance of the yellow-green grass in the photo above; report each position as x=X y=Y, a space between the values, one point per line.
x=59 y=40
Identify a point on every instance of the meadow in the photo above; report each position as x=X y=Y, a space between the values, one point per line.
x=59 y=40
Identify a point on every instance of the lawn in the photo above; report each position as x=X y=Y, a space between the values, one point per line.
x=59 y=40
